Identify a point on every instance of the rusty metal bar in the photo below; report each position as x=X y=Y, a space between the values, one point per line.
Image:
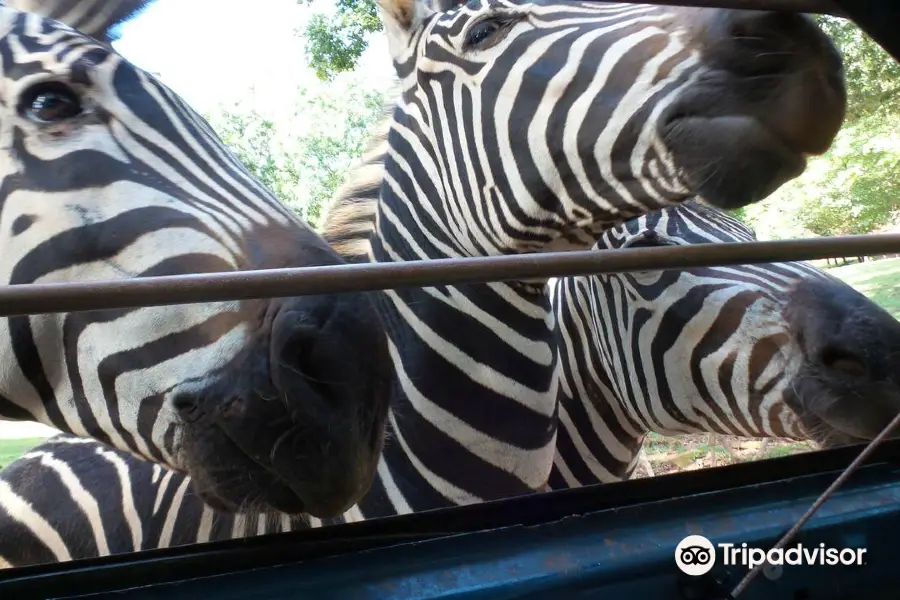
x=824 y=7
x=275 y=283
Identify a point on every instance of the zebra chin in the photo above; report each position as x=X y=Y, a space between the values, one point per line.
x=848 y=389
x=296 y=423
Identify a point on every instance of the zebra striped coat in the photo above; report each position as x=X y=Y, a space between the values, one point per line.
x=474 y=414
x=764 y=350
x=74 y=498
x=729 y=350
x=524 y=127
x=107 y=174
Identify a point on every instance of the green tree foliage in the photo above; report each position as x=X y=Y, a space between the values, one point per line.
x=873 y=76
x=334 y=43
x=853 y=188
x=306 y=156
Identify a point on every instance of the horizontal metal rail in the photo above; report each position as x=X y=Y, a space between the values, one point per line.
x=279 y=283
x=824 y=7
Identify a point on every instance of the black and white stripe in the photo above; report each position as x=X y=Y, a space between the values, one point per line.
x=718 y=349
x=677 y=351
x=72 y=497
x=533 y=126
x=105 y=173
x=524 y=127
x=95 y=18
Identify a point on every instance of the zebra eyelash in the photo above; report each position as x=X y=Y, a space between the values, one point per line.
x=503 y=20
x=26 y=103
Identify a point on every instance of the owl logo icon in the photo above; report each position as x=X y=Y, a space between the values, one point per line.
x=695 y=555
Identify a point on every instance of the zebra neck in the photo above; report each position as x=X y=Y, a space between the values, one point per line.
x=600 y=436
x=473 y=417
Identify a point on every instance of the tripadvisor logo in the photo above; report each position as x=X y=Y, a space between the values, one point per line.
x=696 y=555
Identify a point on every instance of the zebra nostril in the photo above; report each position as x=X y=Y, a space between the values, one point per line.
x=187 y=406
x=844 y=362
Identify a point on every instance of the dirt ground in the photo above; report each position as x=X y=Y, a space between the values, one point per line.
x=695 y=451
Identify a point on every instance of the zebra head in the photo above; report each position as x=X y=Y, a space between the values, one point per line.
x=770 y=350
x=108 y=174
x=848 y=388
x=543 y=122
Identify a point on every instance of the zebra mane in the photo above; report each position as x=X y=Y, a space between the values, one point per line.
x=96 y=18
x=350 y=218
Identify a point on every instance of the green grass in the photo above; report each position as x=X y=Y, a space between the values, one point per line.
x=10 y=450
x=878 y=280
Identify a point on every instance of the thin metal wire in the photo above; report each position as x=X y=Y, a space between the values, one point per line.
x=280 y=283
x=853 y=466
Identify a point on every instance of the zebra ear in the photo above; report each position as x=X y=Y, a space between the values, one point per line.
x=402 y=18
x=100 y=22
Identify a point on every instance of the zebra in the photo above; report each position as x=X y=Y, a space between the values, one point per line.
x=107 y=174
x=71 y=498
x=779 y=350
x=473 y=412
x=355 y=220
x=84 y=499
x=533 y=126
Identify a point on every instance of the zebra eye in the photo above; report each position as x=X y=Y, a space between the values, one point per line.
x=481 y=34
x=50 y=102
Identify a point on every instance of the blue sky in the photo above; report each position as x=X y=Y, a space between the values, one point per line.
x=216 y=51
